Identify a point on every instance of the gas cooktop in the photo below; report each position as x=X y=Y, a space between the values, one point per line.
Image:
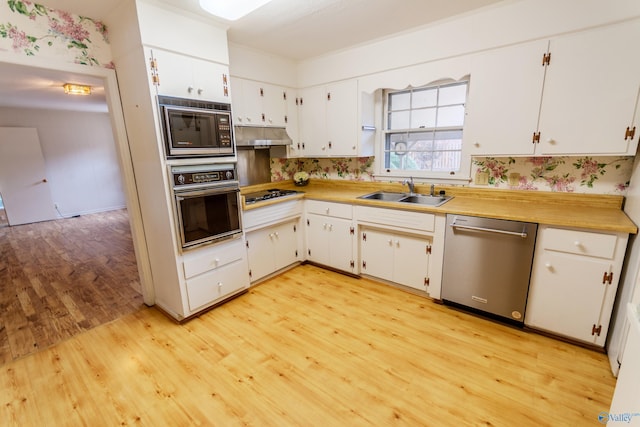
x=271 y=193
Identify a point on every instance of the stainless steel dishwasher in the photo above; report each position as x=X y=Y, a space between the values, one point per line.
x=487 y=265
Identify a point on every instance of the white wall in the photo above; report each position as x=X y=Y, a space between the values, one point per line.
x=80 y=157
x=501 y=25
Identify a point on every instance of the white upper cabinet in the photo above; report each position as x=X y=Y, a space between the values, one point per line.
x=258 y=103
x=590 y=92
x=186 y=77
x=331 y=120
x=581 y=102
x=504 y=100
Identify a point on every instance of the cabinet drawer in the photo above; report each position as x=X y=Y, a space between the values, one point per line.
x=270 y=214
x=580 y=242
x=397 y=218
x=205 y=259
x=336 y=210
x=216 y=284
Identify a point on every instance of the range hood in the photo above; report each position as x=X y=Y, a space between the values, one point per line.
x=261 y=137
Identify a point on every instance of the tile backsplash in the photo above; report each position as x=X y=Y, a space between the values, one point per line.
x=581 y=174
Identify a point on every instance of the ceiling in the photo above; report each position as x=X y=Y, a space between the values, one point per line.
x=295 y=29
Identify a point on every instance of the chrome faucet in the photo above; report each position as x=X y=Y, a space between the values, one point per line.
x=410 y=184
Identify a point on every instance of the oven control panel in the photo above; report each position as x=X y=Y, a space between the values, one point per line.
x=202 y=174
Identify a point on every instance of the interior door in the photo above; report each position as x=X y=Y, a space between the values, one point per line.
x=23 y=184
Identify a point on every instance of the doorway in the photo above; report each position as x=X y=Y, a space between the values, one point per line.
x=3 y=214
x=111 y=103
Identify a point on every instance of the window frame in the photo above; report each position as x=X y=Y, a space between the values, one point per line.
x=464 y=171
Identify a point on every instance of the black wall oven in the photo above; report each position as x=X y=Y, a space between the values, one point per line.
x=207 y=201
x=194 y=128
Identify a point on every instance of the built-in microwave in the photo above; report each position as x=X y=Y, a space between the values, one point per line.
x=194 y=128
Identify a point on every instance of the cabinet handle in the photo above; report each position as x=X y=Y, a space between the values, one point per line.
x=219 y=287
x=397 y=243
x=200 y=90
x=190 y=89
x=327 y=211
x=390 y=242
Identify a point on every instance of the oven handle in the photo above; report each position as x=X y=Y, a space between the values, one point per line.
x=522 y=234
x=183 y=194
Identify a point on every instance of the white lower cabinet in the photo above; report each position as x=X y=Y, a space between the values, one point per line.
x=215 y=273
x=396 y=257
x=273 y=248
x=574 y=280
x=274 y=237
x=330 y=235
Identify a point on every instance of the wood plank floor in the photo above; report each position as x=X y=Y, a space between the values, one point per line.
x=59 y=278
x=309 y=348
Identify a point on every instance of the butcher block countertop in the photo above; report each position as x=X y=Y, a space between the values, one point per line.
x=588 y=211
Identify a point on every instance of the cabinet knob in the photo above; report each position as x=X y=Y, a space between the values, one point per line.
x=324 y=148
x=476 y=144
x=577 y=244
x=551 y=141
x=548 y=266
x=217 y=261
x=200 y=90
x=390 y=242
x=190 y=89
x=327 y=211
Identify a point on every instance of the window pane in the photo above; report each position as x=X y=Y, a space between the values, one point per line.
x=456 y=94
x=399 y=101
x=446 y=161
x=450 y=116
x=424 y=98
x=423 y=118
x=399 y=120
x=420 y=141
x=421 y=115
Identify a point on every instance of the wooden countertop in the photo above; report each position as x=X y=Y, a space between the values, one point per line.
x=589 y=211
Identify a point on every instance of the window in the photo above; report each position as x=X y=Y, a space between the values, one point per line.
x=423 y=135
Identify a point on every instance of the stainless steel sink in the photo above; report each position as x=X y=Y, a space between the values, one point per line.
x=386 y=196
x=422 y=199
x=418 y=199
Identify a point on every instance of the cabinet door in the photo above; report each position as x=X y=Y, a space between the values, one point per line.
x=173 y=79
x=260 y=252
x=377 y=253
x=285 y=239
x=590 y=92
x=317 y=239
x=341 y=119
x=411 y=261
x=505 y=89
x=273 y=105
x=291 y=122
x=250 y=102
x=566 y=294
x=210 y=81
x=313 y=130
x=341 y=244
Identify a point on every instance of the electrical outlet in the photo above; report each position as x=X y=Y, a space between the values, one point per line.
x=482 y=178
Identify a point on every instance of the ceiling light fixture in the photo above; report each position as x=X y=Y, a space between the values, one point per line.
x=231 y=9
x=74 y=89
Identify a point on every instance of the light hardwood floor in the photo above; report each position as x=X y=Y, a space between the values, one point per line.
x=59 y=278
x=309 y=348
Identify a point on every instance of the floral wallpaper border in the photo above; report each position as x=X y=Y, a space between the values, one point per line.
x=351 y=169
x=601 y=175
x=598 y=175
x=33 y=29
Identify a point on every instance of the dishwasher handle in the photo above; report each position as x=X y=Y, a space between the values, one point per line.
x=522 y=234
